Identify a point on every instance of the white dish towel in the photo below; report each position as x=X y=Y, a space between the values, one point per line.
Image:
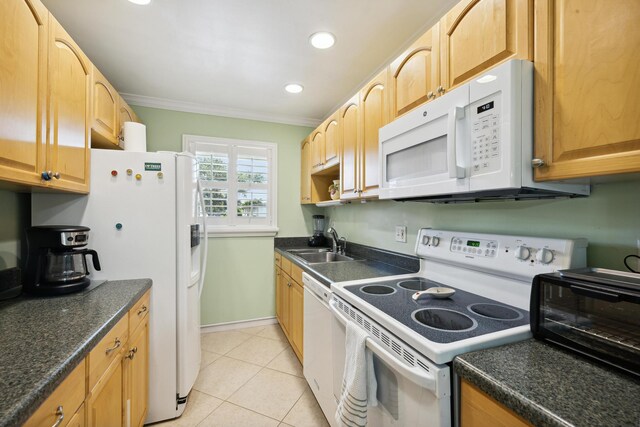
x=359 y=381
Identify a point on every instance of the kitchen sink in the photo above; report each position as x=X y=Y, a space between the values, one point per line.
x=308 y=250
x=321 y=257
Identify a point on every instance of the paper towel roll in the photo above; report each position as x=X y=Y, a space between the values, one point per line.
x=135 y=136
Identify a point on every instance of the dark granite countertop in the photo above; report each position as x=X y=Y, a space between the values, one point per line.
x=43 y=339
x=374 y=262
x=549 y=386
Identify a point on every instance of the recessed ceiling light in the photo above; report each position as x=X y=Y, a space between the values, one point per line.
x=142 y=2
x=322 y=40
x=293 y=88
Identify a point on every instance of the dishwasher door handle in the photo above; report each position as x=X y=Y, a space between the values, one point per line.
x=415 y=374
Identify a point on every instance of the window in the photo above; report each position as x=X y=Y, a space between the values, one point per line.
x=238 y=180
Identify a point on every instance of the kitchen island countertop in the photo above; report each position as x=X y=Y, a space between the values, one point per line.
x=548 y=386
x=43 y=339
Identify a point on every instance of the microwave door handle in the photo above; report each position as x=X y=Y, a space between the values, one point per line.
x=415 y=374
x=595 y=293
x=455 y=171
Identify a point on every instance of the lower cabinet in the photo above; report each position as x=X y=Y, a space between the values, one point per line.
x=479 y=410
x=290 y=302
x=110 y=386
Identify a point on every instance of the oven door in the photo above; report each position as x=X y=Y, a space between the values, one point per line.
x=426 y=152
x=407 y=395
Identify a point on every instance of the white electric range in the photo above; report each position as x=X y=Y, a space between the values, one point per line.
x=414 y=341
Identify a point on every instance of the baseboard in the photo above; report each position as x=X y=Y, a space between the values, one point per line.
x=229 y=326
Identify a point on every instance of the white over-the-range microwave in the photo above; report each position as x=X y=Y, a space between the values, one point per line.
x=473 y=143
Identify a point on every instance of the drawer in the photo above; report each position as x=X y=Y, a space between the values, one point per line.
x=296 y=274
x=277 y=257
x=107 y=350
x=286 y=266
x=68 y=396
x=78 y=419
x=139 y=311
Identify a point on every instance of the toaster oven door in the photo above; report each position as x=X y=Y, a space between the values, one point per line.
x=597 y=320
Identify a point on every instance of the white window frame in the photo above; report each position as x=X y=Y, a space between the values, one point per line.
x=231 y=226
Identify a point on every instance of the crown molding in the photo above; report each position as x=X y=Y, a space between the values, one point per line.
x=215 y=110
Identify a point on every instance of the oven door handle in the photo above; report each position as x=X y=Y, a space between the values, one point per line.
x=414 y=374
x=455 y=171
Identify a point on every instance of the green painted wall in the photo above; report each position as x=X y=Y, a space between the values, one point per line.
x=239 y=281
x=15 y=213
x=609 y=218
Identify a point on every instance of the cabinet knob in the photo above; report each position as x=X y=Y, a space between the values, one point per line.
x=46 y=175
x=56 y=175
x=537 y=163
x=142 y=310
x=116 y=344
x=440 y=90
x=431 y=95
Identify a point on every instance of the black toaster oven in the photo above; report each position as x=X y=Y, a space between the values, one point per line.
x=595 y=312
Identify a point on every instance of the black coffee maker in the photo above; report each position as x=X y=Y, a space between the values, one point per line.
x=56 y=263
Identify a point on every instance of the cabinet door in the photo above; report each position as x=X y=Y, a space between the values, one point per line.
x=317 y=150
x=330 y=129
x=349 y=143
x=479 y=410
x=279 y=297
x=125 y=113
x=305 y=172
x=297 y=316
x=23 y=82
x=104 y=118
x=282 y=300
x=479 y=34
x=137 y=375
x=415 y=75
x=78 y=418
x=374 y=113
x=104 y=407
x=587 y=83
x=69 y=105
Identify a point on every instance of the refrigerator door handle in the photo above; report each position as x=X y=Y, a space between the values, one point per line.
x=203 y=258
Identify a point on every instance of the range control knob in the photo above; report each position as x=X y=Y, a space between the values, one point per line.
x=544 y=256
x=435 y=241
x=522 y=252
x=425 y=240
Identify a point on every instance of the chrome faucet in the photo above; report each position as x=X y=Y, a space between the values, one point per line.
x=339 y=243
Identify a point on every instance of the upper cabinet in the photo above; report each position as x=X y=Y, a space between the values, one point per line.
x=587 y=84
x=69 y=111
x=331 y=142
x=476 y=35
x=305 y=172
x=415 y=75
x=317 y=149
x=350 y=143
x=125 y=113
x=23 y=82
x=104 y=117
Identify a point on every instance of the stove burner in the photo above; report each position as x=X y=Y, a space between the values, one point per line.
x=443 y=319
x=377 y=290
x=414 y=284
x=495 y=311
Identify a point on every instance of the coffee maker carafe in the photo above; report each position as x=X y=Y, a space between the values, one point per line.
x=56 y=260
x=318 y=238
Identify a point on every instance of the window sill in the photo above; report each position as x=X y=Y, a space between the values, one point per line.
x=239 y=231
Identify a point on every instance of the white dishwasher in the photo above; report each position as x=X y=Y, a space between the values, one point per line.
x=318 y=366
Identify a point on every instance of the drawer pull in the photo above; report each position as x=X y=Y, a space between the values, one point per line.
x=60 y=414
x=142 y=310
x=116 y=344
x=132 y=353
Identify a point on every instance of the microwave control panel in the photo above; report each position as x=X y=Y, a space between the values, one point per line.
x=485 y=135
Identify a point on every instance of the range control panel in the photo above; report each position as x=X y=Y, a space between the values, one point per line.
x=513 y=256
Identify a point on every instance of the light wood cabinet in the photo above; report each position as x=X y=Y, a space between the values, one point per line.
x=317 y=150
x=350 y=143
x=290 y=303
x=104 y=117
x=105 y=404
x=125 y=113
x=305 y=172
x=331 y=141
x=136 y=365
x=374 y=113
x=415 y=75
x=587 y=88
x=68 y=112
x=476 y=35
x=479 y=410
x=23 y=79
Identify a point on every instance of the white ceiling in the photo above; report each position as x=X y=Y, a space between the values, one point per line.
x=234 y=57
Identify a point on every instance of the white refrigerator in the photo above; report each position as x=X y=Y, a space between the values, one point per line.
x=144 y=221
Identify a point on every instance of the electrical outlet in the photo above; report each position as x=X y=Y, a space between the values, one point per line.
x=401 y=233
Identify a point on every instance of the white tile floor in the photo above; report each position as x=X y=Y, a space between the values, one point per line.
x=250 y=377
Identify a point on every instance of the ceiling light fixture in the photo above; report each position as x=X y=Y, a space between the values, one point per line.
x=141 y=2
x=322 y=40
x=293 y=88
